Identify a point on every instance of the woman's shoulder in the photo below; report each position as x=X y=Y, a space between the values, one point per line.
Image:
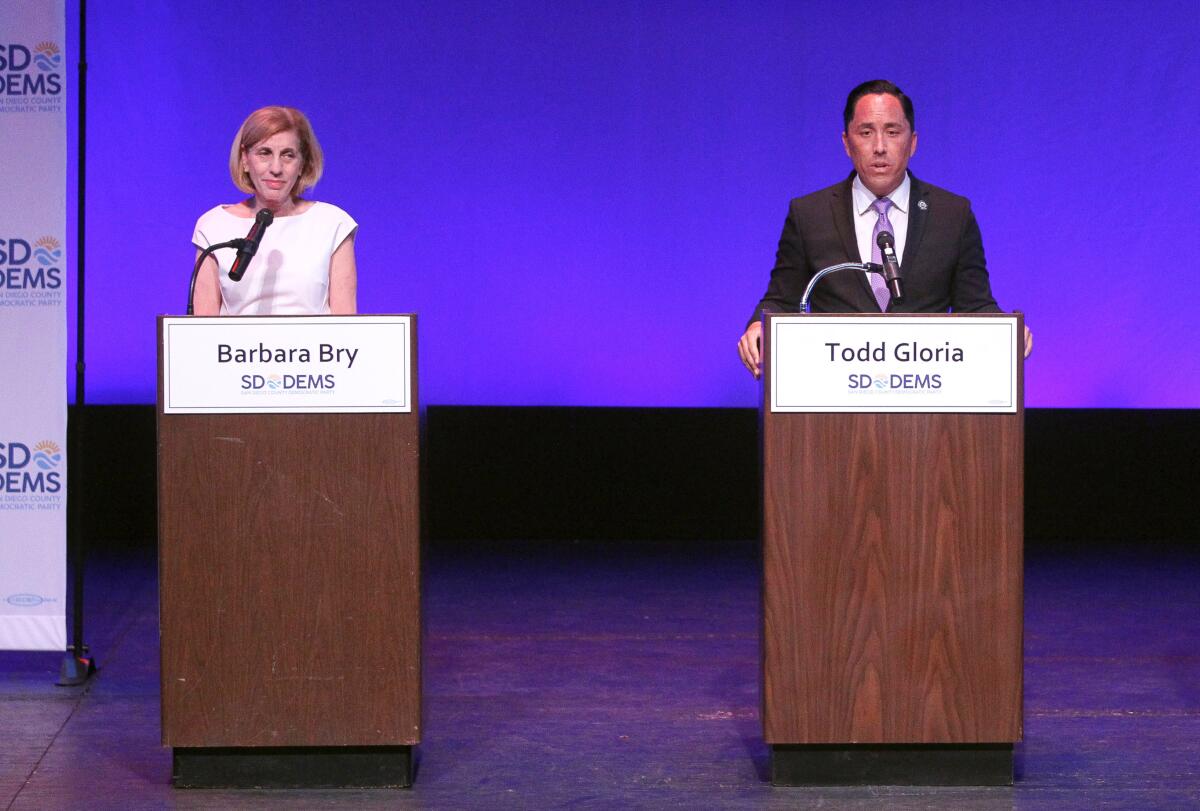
x=220 y=213
x=328 y=211
x=331 y=219
x=217 y=225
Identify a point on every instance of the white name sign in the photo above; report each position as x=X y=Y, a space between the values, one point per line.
x=304 y=364
x=893 y=363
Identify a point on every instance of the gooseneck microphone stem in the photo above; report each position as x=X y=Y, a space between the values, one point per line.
x=246 y=248
x=867 y=267
x=204 y=254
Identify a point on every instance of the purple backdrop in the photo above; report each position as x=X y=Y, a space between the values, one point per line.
x=582 y=201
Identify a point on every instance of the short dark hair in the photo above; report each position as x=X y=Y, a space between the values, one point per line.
x=872 y=88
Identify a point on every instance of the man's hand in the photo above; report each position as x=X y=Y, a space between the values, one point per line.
x=1028 y=342
x=750 y=348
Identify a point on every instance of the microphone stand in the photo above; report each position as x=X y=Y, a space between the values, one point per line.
x=868 y=267
x=233 y=243
x=78 y=665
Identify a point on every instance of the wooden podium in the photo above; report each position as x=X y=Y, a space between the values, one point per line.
x=892 y=554
x=289 y=546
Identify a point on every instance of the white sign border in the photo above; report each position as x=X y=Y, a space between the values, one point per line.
x=782 y=320
x=194 y=322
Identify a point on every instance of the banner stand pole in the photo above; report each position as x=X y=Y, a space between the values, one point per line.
x=77 y=665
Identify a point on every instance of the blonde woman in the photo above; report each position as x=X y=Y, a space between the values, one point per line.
x=305 y=259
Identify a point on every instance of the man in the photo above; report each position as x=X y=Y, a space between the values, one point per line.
x=937 y=239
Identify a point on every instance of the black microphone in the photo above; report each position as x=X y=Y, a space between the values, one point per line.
x=891 y=265
x=249 y=246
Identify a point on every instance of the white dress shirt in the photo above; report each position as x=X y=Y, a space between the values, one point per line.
x=865 y=217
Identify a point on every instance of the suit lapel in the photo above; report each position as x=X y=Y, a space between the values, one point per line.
x=843 y=218
x=918 y=216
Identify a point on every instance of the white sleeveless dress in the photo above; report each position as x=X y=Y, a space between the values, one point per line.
x=290 y=273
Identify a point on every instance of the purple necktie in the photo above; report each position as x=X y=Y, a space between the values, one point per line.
x=878 y=285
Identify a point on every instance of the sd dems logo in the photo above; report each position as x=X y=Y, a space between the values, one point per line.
x=31 y=478
x=276 y=383
x=31 y=273
x=46 y=455
x=31 y=78
x=48 y=252
x=894 y=382
x=47 y=57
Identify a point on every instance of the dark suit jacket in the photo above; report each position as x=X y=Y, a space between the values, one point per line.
x=943 y=266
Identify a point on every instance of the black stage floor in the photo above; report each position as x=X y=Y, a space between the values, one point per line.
x=624 y=675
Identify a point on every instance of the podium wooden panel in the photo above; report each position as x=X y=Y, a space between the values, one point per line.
x=892 y=577
x=289 y=574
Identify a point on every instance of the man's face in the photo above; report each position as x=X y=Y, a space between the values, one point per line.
x=879 y=141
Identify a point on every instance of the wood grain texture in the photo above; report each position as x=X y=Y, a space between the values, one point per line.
x=892 y=578
x=289 y=566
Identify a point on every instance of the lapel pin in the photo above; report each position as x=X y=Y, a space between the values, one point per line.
x=921 y=204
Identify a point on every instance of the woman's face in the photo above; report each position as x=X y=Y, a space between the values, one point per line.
x=274 y=164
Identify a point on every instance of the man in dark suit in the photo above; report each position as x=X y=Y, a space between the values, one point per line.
x=937 y=239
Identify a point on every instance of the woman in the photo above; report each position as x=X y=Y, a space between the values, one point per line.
x=305 y=261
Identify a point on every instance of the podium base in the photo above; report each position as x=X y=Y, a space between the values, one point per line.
x=983 y=764
x=292 y=767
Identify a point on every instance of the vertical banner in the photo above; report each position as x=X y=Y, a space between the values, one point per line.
x=33 y=325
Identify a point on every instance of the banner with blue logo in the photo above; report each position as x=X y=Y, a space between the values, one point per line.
x=33 y=326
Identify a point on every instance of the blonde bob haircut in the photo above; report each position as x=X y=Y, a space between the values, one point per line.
x=261 y=125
